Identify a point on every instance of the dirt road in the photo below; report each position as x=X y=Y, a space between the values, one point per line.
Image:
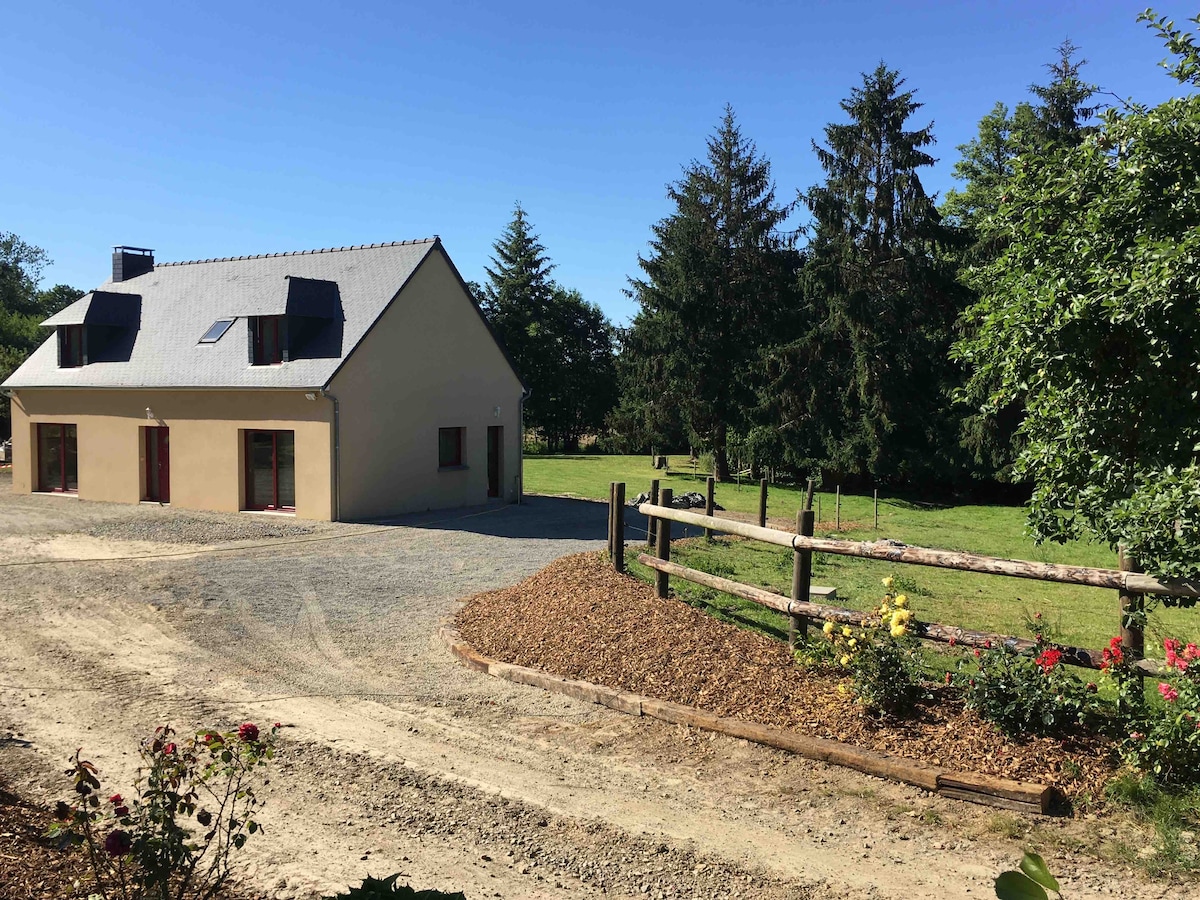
x=398 y=759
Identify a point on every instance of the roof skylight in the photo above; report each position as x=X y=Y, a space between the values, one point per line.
x=215 y=332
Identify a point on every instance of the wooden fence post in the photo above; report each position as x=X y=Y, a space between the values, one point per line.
x=762 y=503
x=661 y=579
x=612 y=522
x=876 y=509
x=801 y=570
x=1133 y=637
x=619 y=529
x=838 y=513
x=709 y=490
x=651 y=522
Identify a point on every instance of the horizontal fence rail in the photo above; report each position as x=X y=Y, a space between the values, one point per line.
x=893 y=551
x=1078 y=656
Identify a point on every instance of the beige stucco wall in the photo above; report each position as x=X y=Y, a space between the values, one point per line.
x=207 y=470
x=428 y=363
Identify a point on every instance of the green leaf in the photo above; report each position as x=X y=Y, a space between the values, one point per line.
x=1035 y=867
x=1016 y=886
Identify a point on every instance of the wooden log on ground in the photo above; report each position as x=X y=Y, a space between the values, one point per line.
x=896 y=552
x=1001 y=792
x=463 y=651
x=960 y=785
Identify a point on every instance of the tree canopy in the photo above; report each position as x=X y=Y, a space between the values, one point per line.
x=883 y=293
x=561 y=344
x=23 y=306
x=716 y=277
x=1090 y=316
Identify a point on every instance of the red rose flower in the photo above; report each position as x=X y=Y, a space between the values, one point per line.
x=169 y=748
x=248 y=732
x=115 y=798
x=118 y=842
x=121 y=811
x=1048 y=659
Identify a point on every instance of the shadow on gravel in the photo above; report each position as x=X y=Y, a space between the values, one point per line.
x=541 y=518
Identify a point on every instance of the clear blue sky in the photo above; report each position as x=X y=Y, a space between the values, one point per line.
x=221 y=129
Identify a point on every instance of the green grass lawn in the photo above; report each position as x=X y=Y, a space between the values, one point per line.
x=1077 y=615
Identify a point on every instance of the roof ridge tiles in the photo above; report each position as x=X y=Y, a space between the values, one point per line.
x=191 y=262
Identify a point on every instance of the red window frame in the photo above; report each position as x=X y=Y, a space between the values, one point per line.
x=248 y=452
x=70 y=346
x=62 y=486
x=264 y=326
x=158 y=479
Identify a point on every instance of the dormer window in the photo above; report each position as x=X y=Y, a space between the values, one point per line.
x=268 y=335
x=70 y=346
x=98 y=327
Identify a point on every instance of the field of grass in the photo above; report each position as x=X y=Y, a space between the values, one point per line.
x=1077 y=615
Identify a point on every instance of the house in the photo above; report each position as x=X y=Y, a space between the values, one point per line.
x=352 y=383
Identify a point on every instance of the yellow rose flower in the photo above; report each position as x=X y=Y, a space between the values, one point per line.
x=845 y=660
x=898 y=631
x=827 y=628
x=902 y=601
x=888 y=582
x=846 y=632
x=852 y=644
x=900 y=617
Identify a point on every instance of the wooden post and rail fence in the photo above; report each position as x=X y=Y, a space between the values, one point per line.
x=1130 y=585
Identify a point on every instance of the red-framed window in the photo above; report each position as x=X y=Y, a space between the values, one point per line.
x=271 y=470
x=450 y=447
x=158 y=464
x=58 y=458
x=70 y=346
x=269 y=334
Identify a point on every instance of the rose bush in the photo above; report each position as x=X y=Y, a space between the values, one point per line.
x=193 y=804
x=1026 y=692
x=1165 y=743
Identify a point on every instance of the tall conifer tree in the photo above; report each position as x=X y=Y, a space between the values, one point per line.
x=561 y=344
x=885 y=293
x=715 y=281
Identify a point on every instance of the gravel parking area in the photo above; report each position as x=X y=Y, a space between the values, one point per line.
x=396 y=758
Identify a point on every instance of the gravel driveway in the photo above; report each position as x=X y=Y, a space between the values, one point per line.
x=396 y=758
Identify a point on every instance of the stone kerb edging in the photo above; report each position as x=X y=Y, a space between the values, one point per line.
x=985 y=789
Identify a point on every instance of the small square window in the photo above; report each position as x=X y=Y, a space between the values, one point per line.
x=450 y=447
x=216 y=332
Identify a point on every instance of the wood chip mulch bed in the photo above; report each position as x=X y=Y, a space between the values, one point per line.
x=579 y=619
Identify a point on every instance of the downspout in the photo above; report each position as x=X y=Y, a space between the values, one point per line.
x=337 y=454
x=525 y=393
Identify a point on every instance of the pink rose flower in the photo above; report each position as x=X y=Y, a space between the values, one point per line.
x=1168 y=693
x=248 y=732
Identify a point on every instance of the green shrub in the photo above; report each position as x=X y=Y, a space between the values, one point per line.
x=387 y=889
x=1025 y=692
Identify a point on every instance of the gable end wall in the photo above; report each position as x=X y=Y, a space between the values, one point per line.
x=429 y=362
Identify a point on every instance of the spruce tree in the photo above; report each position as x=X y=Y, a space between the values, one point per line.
x=561 y=344
x=713 y=287
x=885 y=297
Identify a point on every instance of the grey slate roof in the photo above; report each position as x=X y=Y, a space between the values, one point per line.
x=180 y=301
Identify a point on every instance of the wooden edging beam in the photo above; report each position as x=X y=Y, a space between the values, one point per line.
x=1000 y=792
x=896 y=552
x=931 y=631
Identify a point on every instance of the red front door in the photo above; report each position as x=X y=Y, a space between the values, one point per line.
x=158 y=465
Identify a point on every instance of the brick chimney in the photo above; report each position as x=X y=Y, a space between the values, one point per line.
x=130 y=262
